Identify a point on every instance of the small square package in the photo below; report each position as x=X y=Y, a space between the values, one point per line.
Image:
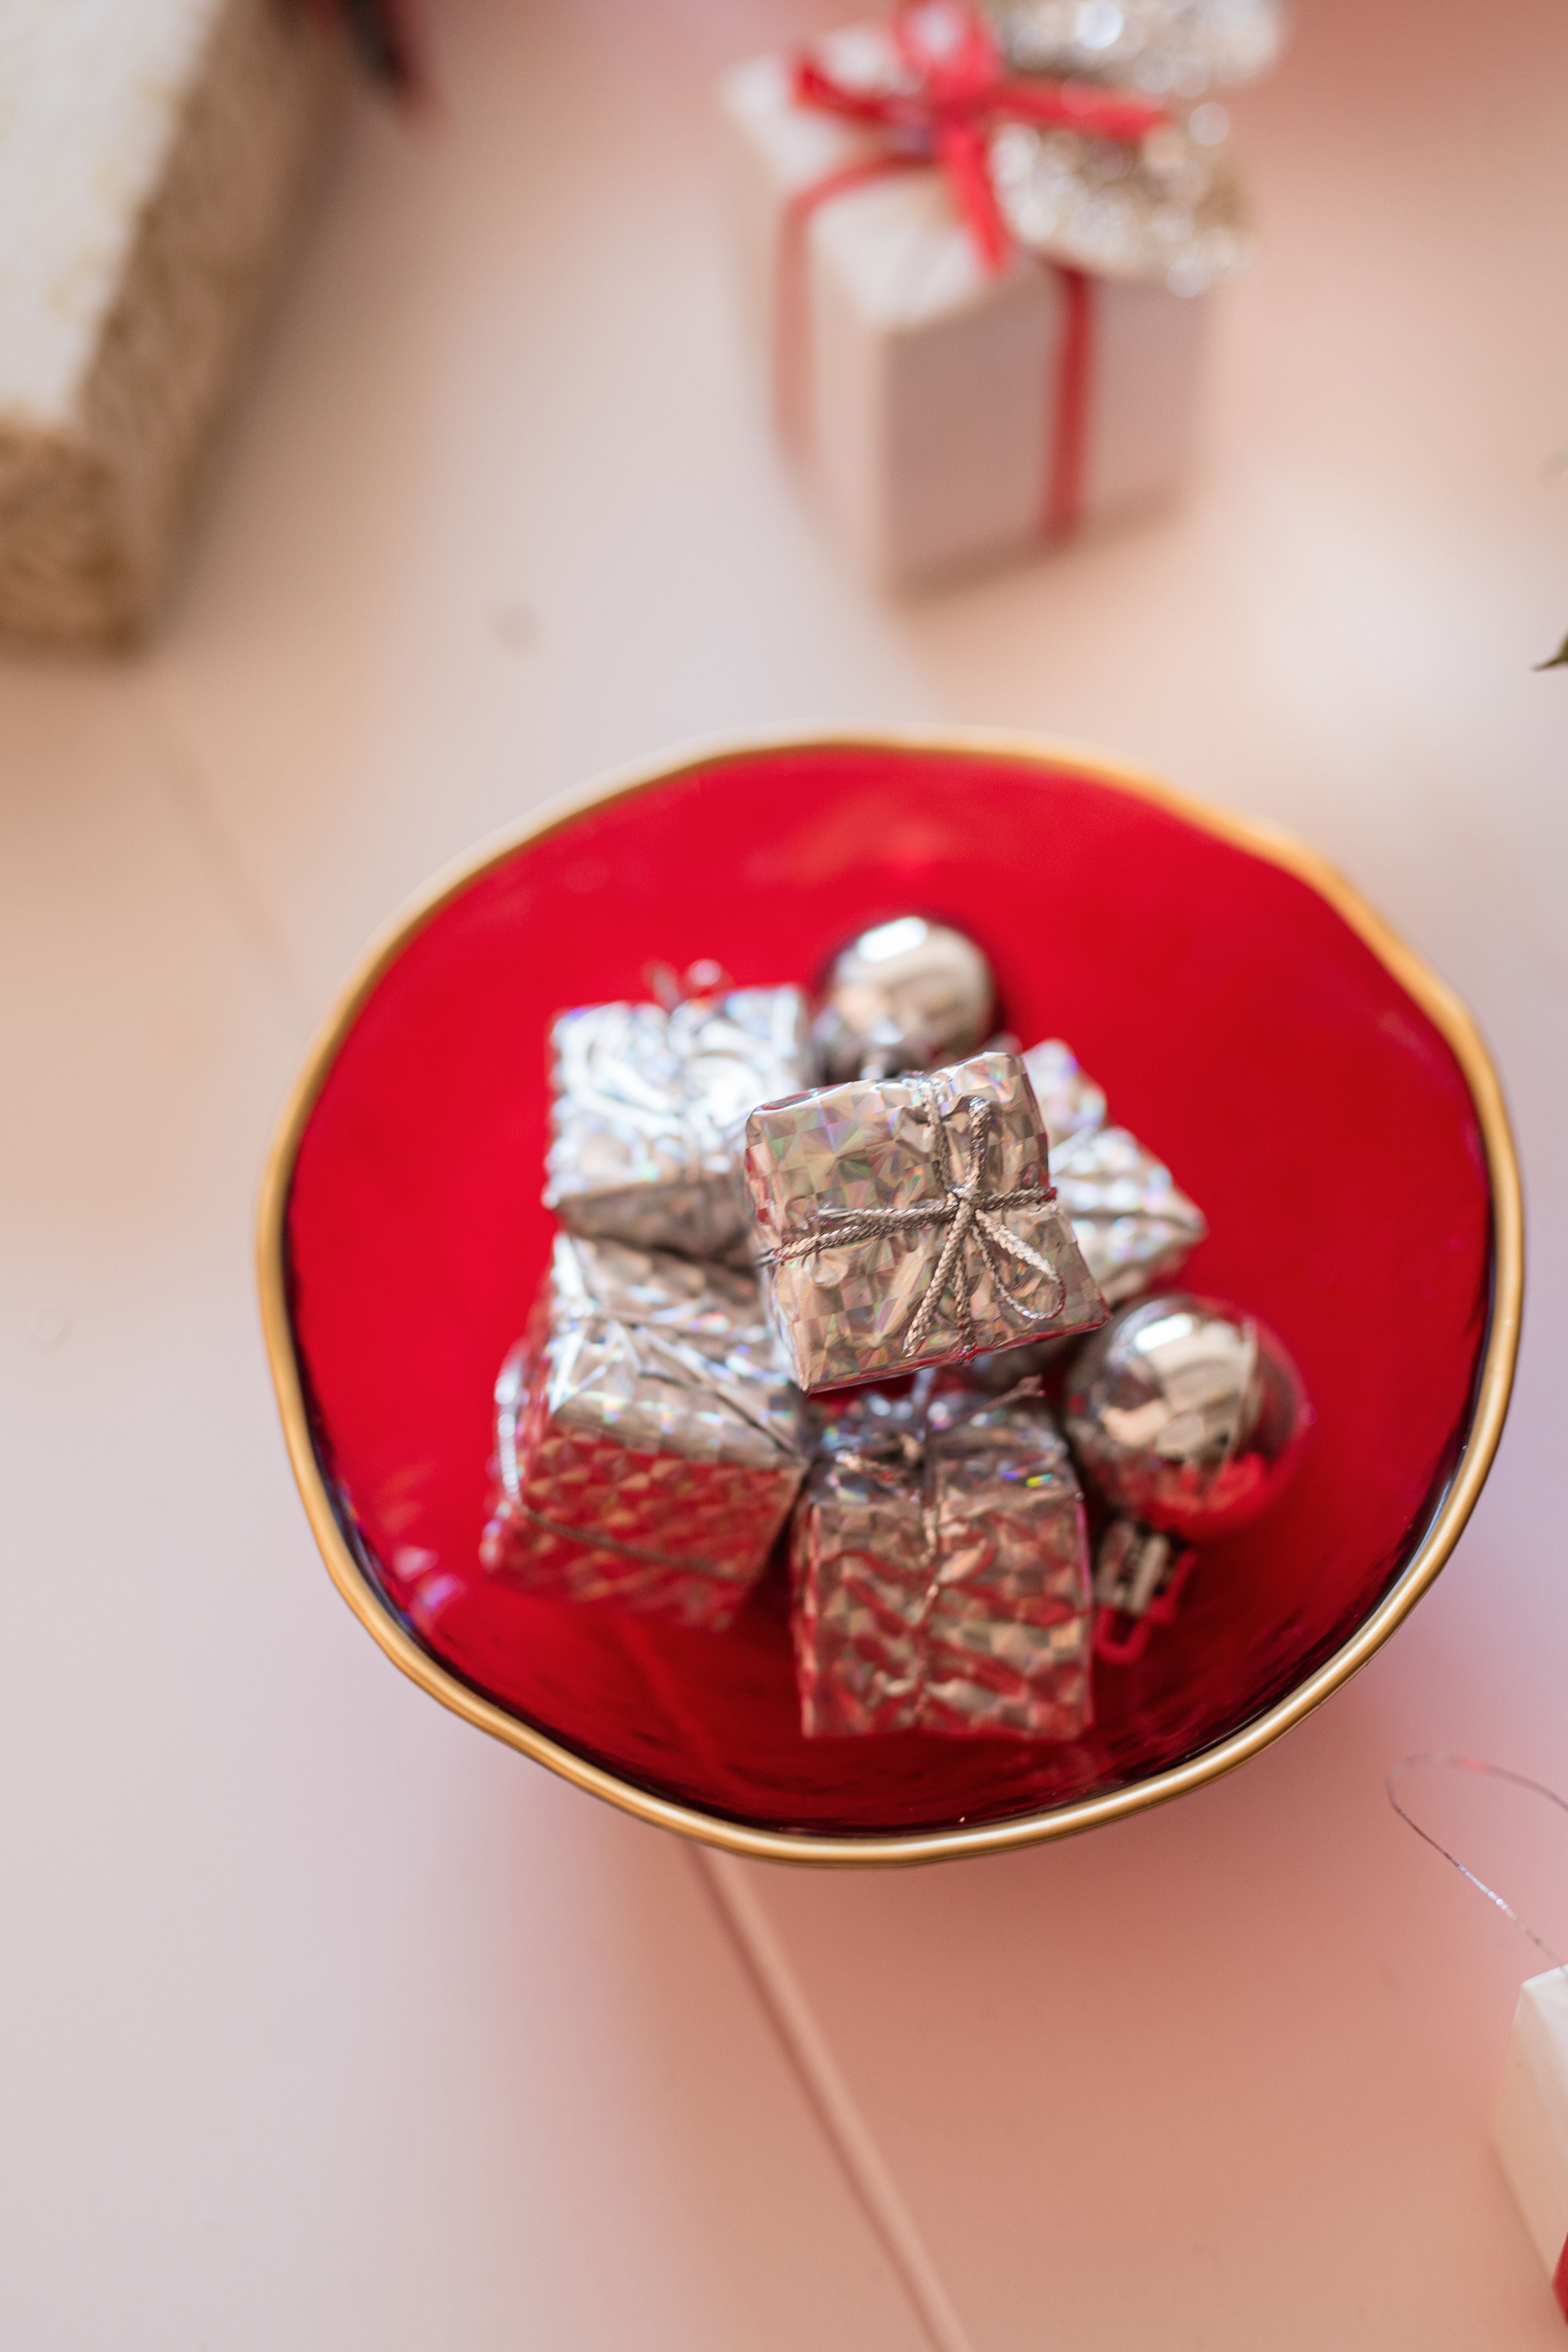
x=648 y=1448
x=983 y=295
x=1530 y=2120
x=1131 y=1222
x=910 y=1220
x=649 y=1111
x=940 y=1563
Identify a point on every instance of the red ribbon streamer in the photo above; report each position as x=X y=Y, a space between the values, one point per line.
x=1069 y=437
x=955 y=90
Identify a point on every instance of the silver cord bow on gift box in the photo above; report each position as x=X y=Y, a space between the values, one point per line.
x=973 y=1217
x=911 y=1220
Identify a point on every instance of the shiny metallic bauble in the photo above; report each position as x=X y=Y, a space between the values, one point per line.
x=1186 y=1416
x=908 y=995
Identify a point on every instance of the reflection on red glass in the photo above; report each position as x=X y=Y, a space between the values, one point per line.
x=1244 y=1032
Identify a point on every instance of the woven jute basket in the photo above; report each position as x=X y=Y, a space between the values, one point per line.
x=98 y=478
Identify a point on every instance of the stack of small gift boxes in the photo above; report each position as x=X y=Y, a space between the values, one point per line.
x=980 y=244
x=751 y=1268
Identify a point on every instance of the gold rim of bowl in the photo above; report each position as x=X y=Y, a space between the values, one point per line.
x=1440 y=1003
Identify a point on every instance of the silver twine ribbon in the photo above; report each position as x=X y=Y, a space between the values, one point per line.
x=1490 y=1772
x=970 y=1214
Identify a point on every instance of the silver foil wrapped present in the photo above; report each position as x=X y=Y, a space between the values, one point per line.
x=648 y=1448
x=649 y=1111
x=1132 y=1224
x=909 y=1221
x=906 y=995
x=940 y=1562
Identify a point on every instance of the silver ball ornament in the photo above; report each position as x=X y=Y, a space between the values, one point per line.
x=1185 y=1414
x=1186 y=1418
x=907 y=994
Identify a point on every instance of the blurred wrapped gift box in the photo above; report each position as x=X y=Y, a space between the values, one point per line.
x=154 y=158
x=984 y=291
x=1530 y=2120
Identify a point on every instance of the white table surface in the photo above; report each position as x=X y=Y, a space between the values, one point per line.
x=328 y=2023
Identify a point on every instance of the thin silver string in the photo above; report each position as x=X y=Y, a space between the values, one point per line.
x=1492 y=1772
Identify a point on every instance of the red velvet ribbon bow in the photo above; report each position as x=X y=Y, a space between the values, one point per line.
x=956 y=88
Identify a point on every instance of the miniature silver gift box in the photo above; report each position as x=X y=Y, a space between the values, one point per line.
x=1131 y=1222
x=940 y=1562
x=909 y=1221
x=649 y=1111
x=647 y=1446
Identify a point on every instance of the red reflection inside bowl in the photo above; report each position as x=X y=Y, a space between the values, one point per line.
x=1242 y=1031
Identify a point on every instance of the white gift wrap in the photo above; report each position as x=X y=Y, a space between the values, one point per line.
x=928 y=387
x=1530 y=2120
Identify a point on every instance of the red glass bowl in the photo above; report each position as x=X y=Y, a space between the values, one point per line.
x=1324 y=1098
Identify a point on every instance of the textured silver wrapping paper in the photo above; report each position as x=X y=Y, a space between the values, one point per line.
x=1132 y=1223
x=649 y=1447
x=940 y=1563
x=649 y=1112
x=910 y=1221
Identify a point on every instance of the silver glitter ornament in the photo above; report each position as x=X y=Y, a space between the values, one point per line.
x=1166 y=207
x=1185 y=1416
x=1163 y=48
x=908 y=995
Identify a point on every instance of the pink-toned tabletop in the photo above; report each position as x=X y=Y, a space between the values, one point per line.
x=330 y=2024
